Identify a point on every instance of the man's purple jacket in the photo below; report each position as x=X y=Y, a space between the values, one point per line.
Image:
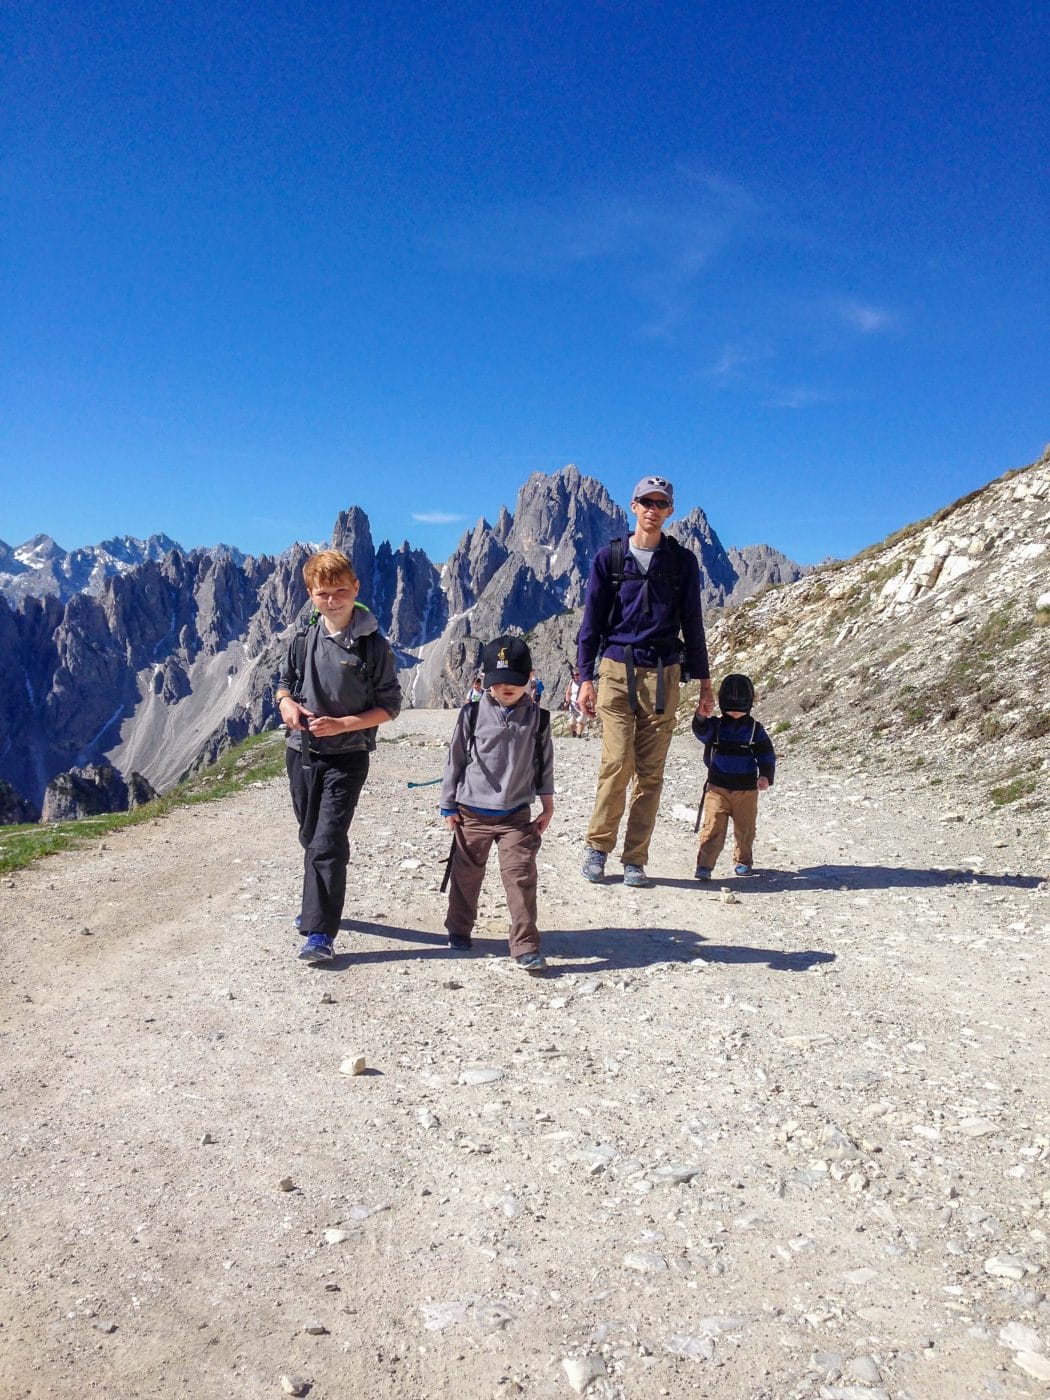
x=644 y=615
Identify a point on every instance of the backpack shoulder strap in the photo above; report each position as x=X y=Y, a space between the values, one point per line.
x=471 y=708
x=297 y=651
x=543 y=724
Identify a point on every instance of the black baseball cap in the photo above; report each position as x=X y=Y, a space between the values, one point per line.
x=507 y=661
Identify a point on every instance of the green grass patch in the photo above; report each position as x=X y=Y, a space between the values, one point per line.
x=1014 y=790
x=256 y=760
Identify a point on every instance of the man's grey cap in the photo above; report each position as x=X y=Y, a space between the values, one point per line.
x=654 y=486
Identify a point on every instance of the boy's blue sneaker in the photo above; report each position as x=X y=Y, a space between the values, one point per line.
x=317 y=949
x=531 y=962
x=593 y=865
x=741 y=870
x=703 y=872
x=635 y=877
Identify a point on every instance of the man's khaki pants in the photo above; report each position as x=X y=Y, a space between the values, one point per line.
x=634 y=745
x=721 y=806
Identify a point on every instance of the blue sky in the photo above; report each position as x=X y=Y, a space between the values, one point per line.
x=261 y=263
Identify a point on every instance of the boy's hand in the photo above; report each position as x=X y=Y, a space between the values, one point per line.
x=453 y=820
x=543 y=821
x=763 y=783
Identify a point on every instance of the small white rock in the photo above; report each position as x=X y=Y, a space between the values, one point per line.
x=480 y=1075
x=1033 y=1364
x=1020 y=1338
x=338 y=1236
x=582 y=1370
x=295 y=1385
x=354 y=1064
x=286 y=1184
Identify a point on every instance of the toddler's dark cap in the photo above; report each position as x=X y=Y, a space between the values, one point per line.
x=736 y=693
x=507 y=661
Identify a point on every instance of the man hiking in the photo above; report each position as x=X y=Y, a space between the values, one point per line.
x=641 y=613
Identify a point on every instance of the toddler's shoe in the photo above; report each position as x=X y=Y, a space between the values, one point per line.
x=703 y=872
x=635 y=876
x=318 y=948
x=531 y=962
x=741 y=870
x=460 y=942
x=593 y=865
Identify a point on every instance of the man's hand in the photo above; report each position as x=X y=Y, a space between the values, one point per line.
x=706 y=704
x=453 y=820
x=587 y=697
x=543 y=821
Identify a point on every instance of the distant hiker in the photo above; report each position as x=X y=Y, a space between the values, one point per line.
x=477 y=689
x=579 y=719
x=501 y=757
x=740 y=764
x=338 y=684
x=536 y=687
x=643 y=599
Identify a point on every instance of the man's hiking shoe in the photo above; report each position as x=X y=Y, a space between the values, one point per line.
x=741 y=870
x=594 y=865
x=460 y=942
x=635 y=876
x=703 y=872
x=317 y=949
x=532 y=962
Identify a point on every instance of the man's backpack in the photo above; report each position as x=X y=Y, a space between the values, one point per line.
x=541 y=729
x=617 y=558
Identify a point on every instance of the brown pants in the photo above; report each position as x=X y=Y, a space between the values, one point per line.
x=517 y=843
x=721 y=805
x=634 y=746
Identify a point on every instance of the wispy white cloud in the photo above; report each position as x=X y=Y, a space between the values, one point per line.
x=799 y=397
x=658 y=237
x=736 y=358
x=436 y=517
x=864 y=318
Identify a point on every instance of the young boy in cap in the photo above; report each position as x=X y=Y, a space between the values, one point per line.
x=501 y=757
x=740 y=764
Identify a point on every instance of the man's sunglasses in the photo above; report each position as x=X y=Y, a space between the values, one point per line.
x=649 y=503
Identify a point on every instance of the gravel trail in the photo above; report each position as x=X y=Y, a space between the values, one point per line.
x=786 y=1136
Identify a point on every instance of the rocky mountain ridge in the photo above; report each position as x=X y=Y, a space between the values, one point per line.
x=40 y=567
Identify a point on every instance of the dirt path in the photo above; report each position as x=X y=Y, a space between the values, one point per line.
x=792 y=1145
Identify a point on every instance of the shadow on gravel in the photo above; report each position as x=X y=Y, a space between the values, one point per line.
x=863 y=877
x=612 y=949
x=587 y=950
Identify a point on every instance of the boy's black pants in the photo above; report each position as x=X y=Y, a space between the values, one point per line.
x=324 y=797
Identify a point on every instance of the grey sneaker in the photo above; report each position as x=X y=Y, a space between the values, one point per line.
x=635 y=876
x=594 y=865
x=531 y=962
x=703 y=872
